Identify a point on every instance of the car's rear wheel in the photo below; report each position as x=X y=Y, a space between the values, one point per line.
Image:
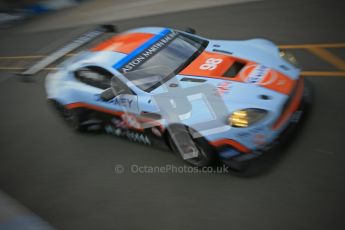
x=181 y=135
x=74 y=118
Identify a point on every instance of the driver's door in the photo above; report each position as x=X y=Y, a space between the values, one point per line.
x=124 y=99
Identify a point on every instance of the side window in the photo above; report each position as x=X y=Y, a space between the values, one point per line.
x=94 y=76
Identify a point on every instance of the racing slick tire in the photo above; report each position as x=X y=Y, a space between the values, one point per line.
x=308 y=93
x=237 y=166
x=206 y=155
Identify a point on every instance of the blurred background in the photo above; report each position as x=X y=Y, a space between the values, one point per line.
x=13 y=12
x=53 y=178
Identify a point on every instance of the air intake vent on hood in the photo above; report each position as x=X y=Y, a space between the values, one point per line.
x=222 y=51
x=234 y=69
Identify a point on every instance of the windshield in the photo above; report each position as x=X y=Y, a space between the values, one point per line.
x=162 y=60
x=146 y=78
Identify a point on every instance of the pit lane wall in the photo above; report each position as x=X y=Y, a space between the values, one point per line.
x=13 y=216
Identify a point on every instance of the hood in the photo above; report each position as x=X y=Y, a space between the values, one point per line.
x=226 y=67
x=239 y=83
x=234 y=94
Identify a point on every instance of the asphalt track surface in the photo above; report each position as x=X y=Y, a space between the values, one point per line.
x=68 y=178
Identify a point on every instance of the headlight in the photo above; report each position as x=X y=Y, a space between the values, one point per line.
x=289 y=57
x=246 y=117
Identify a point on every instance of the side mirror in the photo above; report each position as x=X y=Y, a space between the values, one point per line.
x=107 y=95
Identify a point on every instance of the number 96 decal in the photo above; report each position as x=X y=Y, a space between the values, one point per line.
x=211 y=64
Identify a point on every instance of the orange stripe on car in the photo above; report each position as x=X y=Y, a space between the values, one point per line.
x=293 y=106
x=214 y=65
x=205 y=65
x=93 y=107
x=109 y=111
x=124 y=43
x=232 y=143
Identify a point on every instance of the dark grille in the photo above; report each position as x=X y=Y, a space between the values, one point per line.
x=234 y=69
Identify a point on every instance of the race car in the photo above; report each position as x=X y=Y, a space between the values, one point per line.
x=207 y=100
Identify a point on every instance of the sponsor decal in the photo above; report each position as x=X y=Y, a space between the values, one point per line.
x=127 y=121
x=156 y=131
x=130 y=135
x=130 y=121
x=121 y=101
x=223 y=88
x=143 y=53
x=258 y=75
x=211 y=64
x=259 y=139
x=119 y=123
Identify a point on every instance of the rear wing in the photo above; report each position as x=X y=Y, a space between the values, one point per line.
x=73 y=45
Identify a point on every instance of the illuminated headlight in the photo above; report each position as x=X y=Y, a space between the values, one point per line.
x=289 y=57
x=246 y=117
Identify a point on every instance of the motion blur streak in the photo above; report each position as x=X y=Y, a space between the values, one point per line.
x=68 y=179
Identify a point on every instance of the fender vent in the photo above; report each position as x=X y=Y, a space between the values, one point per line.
x=193 y=80
x=234 y=69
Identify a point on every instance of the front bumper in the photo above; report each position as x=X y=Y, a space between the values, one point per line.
x=231 y=154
